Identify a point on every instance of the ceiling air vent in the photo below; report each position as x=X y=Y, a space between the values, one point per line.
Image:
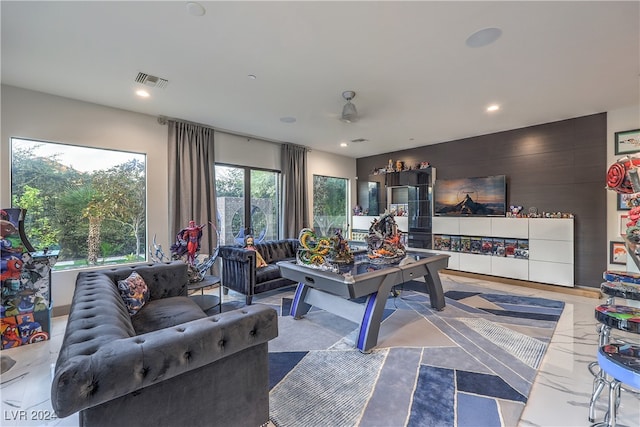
x=151 y=81
x=359 y=140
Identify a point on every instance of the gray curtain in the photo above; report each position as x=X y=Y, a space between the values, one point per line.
x=294 y=189
x=192 y=180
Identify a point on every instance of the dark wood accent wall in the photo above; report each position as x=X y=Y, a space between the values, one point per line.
x=557 y=166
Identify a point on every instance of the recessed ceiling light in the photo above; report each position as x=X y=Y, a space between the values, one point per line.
x=344 y=144
x=483 y=37
x=252 y=76
x=494 y=107
x=142 y=93
x=288 y=119
x=195 y=9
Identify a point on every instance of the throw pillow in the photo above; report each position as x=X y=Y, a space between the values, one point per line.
x=134 y=292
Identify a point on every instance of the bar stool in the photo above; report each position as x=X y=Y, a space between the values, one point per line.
x=620 y=289
x=610 y=316
x=621 y=276
x=621 y=317
x=622 y=363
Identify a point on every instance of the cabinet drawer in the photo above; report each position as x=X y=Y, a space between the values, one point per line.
x=510 y=267
x=551 y=272
x=551 y=250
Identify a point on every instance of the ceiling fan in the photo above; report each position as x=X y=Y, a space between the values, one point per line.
x=349 y=112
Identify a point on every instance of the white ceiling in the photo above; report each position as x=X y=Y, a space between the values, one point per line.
x=417 y=83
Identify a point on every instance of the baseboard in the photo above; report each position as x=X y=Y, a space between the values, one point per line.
x=60 y=310
x=577 y=290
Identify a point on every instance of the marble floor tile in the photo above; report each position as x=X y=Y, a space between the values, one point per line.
x=559 y=397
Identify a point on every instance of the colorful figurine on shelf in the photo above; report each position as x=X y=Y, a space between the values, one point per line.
x=250 y=245
x=514 y=211
x=384 y=241
x=186 y=248
x=340 y=251
x=10 y=337
x=399 y=165
x=313 y=250
x=188 y=242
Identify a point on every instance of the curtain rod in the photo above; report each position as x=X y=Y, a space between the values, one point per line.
x=163 y=121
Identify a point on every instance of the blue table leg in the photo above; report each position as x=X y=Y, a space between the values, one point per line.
x=372 y=317
x=299 y=308
x=370 y=326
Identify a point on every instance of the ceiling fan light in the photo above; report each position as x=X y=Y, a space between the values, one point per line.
x=349 y=112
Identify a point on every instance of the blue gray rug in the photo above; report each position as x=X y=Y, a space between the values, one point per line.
x=472 y=364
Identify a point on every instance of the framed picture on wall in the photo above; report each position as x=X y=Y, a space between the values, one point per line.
x=627 y=141
x=624 y=198
x=617 y=253
x=624 y=219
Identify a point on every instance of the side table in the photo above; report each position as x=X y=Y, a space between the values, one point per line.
x=207 y=302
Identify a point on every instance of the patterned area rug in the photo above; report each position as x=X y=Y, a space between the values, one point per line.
x=472 y=364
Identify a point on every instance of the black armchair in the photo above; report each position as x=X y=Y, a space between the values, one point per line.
x=239 y=272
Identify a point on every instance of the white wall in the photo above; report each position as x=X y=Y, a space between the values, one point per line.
x=35 y=115
x=240 y=150
x=617 y=121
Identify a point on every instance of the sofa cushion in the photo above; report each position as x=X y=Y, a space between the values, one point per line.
x=171 y=281
x=134 y=292
x=269 y=272
x=164 y=313
x=277 y=250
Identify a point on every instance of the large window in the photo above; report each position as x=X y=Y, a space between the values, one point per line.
x=90 y=203
x=240 y=215
x=330 y=205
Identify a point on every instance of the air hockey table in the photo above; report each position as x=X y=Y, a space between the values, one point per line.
x=335 y=291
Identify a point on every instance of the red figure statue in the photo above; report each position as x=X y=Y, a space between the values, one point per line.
x=188 y=242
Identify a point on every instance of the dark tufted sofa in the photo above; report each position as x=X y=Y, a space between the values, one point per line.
x=239 y=272
x=169 y=364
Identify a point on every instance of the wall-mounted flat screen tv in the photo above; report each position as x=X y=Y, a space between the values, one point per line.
x=482 y=196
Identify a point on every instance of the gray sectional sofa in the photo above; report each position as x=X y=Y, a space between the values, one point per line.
x=169 y=364
x=239 y=272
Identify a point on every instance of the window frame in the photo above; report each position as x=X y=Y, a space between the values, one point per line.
x=141 y=239
x=347 y=224
x=248 y=229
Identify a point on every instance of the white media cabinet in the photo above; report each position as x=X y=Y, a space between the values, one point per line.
x=551 y=247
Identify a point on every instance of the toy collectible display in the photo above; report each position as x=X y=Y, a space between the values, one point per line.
x=25 y=275
x=188 y=242
x=399 y=166
x=186 y=248
x=324 y=253
x=313 y=249
x=249 y=244
x=384 y=242
x=623 y=178
x=340 y=252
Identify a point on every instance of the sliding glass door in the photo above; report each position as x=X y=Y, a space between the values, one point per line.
x=241 y=215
